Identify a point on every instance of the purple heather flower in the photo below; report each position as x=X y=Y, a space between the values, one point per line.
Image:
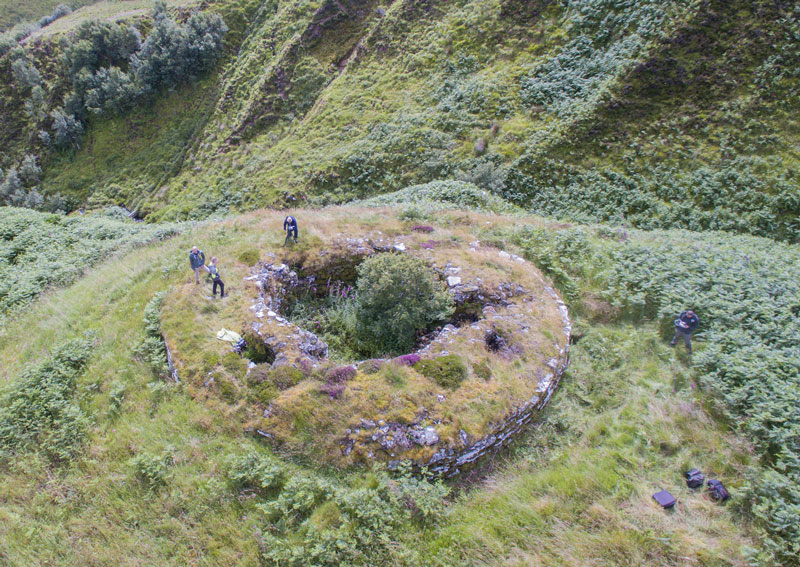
x=406 y=359
x=333 y=390
x=340 y=375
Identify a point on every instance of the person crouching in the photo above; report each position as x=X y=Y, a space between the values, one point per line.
x=216 y=278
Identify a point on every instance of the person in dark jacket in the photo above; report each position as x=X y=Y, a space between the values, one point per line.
x=197 y=260
x=290 y=226
x=216 y=278
x=685 y=325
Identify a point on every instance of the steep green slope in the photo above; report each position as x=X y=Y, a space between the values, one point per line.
x=657 y=114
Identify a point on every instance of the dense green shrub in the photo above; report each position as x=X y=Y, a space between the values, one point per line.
x=174 y=53
x=152 y=349
x=152 y=470
x=314 y=521
x=256 y=472
x=111 y=69
x=39 y=410
x=58 y=12
x=116 y=397
x=67 y=130
x=448 y=371
x=398 y=295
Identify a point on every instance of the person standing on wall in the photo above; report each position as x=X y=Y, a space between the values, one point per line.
x=685 y=325
x=197 y=260
x=290 y=226
x=216 y=278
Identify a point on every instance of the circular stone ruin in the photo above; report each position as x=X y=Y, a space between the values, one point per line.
x=508 y=342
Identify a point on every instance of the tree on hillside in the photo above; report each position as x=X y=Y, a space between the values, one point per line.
x=67 y=129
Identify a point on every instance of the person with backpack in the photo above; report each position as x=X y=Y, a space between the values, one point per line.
x=216 y=278
x=685 y=325
x=290 y=226
x=197 y=260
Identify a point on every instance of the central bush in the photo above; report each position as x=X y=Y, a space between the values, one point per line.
x=398 y=295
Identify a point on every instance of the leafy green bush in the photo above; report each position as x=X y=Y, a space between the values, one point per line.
x=398 y=295
x=116 y=397
x=316 y=522
x=112 y=70
x=152 y=349
x=58 y=12
x=39 y=410
x=152 y=470
x=448 y=371
x=256 y=472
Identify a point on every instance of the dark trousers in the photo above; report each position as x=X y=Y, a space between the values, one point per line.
x=687 y=338
x=291 y=233
x=218 y=282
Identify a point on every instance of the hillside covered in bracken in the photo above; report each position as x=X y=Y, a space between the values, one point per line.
x=662 y=114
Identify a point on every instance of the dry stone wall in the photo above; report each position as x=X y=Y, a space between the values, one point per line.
x=503 y=303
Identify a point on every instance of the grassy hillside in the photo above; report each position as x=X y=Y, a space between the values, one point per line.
x=166 y=475
x=656 y=114
x=640 y=157
x=13 y=12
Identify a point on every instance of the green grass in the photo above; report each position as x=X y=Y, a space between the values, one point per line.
x=15 y=11
x=666 y=114
x=574 y=490
x=108 y=10
x=127 y=159
x=44 y=250
x=577 y=490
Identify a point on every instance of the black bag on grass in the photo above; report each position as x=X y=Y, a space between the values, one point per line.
x=694 y=478
x=717 y=490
